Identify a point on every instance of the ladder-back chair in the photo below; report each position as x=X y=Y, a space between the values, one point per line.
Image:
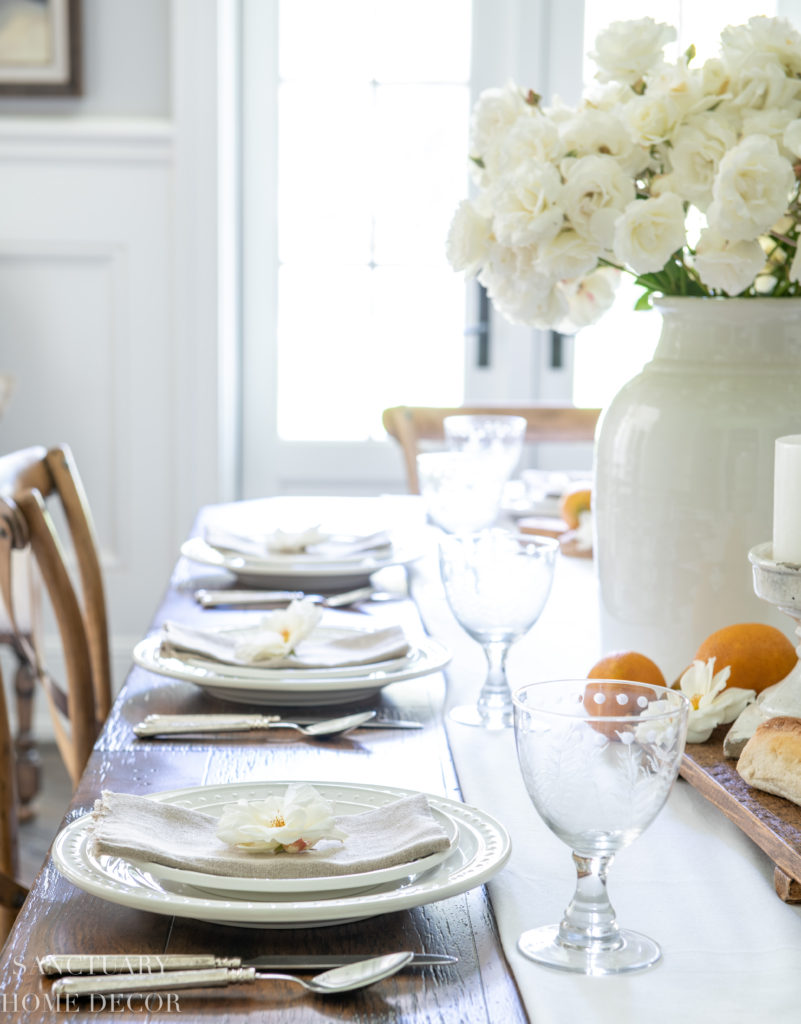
x=410 y=425
x=31 y=480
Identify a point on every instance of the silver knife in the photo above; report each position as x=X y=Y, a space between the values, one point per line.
x=176 y=725
x=153 y=963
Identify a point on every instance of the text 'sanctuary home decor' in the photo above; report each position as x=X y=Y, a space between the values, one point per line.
x=686 y=177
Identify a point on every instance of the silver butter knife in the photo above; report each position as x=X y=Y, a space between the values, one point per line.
x=153 y=963
x=176 y=725
x=254 y=598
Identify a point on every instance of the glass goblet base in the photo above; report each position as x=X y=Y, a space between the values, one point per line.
x=469 y=714
x=635 y=953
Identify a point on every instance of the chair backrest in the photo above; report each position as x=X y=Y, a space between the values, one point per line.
x=30 y=480
x=410 y=424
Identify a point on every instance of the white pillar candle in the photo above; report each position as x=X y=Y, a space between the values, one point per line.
x=787 y=500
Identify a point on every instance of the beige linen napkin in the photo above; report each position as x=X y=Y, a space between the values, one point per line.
x=242 y=647
x=139 y=829
x=307 y=545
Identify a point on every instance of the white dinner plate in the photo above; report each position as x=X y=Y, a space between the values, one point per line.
x=480 y=849
x=284 y=571
x=229 y=886
x=289 y=686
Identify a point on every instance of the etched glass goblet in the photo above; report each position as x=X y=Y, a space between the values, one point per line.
x=496 y=584
x=599 y=758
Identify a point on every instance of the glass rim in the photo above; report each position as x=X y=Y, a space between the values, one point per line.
x=526 y=538
x=682 y=701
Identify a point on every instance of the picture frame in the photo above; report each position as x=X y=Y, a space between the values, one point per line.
x=40 y=48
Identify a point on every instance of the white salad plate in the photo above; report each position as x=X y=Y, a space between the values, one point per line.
x=479 y=849
x=294 y=570
x=290 y=686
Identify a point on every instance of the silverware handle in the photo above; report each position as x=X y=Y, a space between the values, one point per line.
x=213 y=598
x=140 y=963
x=166 y=981
x=171 y=725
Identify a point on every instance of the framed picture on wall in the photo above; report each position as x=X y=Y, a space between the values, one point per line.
x=40 y=52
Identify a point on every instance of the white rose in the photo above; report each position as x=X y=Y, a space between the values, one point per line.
x=569 y=255
x=529 y=140
x=772 y=123
x=469 y=237
x=524 y=205
x=600 y=132
x=715 y=77
x=591 y=297
x=649 y=231
x=494 y=114
x=762 y=85
x=594 y=194
x=729 y=267
x=763 y=37
x=520 y=290
x=791 y=138
x=627 y=49
x=751 y=190
x=652 y=118
x=698 y=147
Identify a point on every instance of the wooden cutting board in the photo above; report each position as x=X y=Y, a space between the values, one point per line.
x=772 y=822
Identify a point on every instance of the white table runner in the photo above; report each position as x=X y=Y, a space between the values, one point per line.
x=693 y=881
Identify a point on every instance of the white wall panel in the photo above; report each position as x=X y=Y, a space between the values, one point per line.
x=86 y=270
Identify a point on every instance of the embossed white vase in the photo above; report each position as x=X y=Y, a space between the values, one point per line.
x=684 y=475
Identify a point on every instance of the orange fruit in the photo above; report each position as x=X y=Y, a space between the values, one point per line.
x=629 y=665
x=757 y=654
x=573 y=503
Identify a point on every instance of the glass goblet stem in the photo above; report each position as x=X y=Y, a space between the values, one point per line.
x=495 y=700
x=589 y=922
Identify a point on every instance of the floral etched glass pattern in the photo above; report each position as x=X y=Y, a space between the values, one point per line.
x=599 y=758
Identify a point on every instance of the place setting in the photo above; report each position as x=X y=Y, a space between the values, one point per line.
x=307 y=557
x=291 y=656
x=280 y=854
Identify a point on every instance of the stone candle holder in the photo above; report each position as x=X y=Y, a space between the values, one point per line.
x=779 y=583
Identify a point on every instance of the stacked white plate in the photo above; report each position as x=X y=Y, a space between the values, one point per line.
x=479 y=848
x=260 y=685
x=301 y=571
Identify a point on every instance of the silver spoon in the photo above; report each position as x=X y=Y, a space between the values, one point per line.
x=340 y=979
x=175 y=725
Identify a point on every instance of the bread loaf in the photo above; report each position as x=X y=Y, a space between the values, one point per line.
x=771 y=759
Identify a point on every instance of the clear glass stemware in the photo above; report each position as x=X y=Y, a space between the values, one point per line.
x=599 y=758
x=496 y=584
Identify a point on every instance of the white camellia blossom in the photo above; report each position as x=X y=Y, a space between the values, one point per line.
x=626 y=50
x=289 y=824
x=751 y=190
x=729 y=267
x=649 y=231
x=280 y=632
x=711 y=704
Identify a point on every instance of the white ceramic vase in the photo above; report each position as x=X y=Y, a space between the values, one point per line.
x=684 y=475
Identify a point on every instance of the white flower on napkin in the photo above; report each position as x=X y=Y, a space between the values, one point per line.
x=289 y=543
x=287 y=824
x=280 y=632
x=710 y=703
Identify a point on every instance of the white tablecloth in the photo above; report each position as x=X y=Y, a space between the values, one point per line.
x=693 y=881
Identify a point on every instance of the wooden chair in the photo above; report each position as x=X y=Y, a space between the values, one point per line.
x=12 y=894
x=31 y=480
x=410 y=425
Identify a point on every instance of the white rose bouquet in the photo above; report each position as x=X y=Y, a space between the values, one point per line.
x=685 y=177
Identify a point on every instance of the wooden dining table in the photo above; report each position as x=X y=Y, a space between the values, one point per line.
x=58 y=917
x=695 y=880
